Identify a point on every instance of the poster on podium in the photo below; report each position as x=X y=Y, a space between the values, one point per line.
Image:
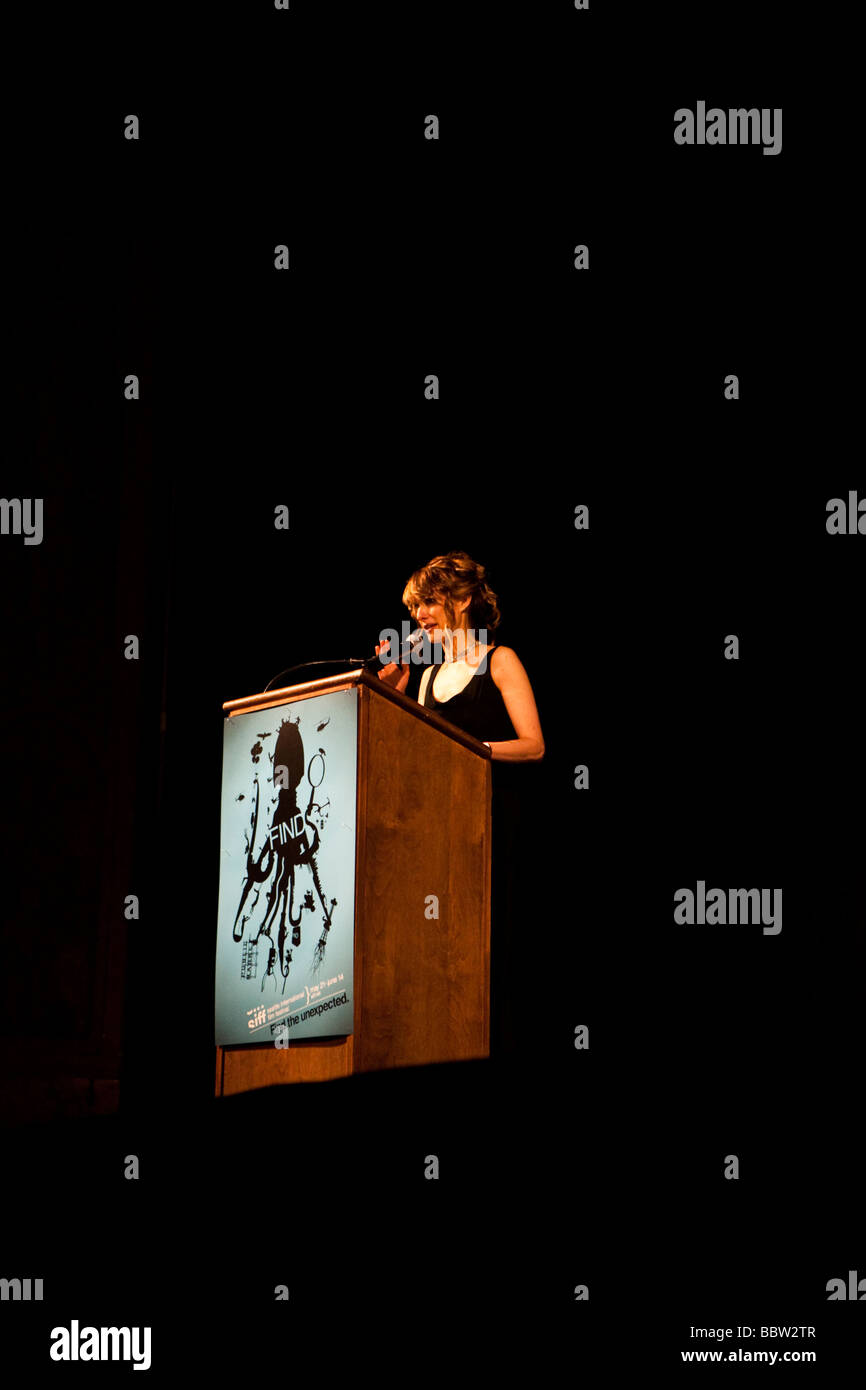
x=285 y=929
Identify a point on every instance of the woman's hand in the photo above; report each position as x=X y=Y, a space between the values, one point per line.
x=392 y=674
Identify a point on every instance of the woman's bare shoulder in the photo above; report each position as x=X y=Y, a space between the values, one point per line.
x=502 y=659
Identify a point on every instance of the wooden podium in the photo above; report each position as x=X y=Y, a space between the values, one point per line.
x=421 y=983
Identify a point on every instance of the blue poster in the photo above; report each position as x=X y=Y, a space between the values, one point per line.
x=286 y=926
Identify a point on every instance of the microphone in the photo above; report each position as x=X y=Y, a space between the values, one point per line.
x=406 y=647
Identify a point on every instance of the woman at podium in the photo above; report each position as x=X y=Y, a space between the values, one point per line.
x=482 y=688
x=479 y=686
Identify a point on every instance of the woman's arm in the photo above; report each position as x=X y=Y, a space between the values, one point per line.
x=511 y=680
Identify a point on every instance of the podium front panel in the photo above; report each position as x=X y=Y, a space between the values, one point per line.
x=286 y=928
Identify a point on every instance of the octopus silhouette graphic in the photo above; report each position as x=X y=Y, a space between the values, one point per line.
x=287 y=847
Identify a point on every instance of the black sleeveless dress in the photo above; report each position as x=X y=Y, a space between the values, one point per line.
x=479 y=709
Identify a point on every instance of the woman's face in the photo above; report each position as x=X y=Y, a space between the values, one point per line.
x=431 y=616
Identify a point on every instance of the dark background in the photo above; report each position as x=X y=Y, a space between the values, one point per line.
x=558 y=388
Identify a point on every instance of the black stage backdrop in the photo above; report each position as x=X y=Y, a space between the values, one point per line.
x=588 y=1202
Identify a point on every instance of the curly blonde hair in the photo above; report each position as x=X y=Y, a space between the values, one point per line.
x=448 y=579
